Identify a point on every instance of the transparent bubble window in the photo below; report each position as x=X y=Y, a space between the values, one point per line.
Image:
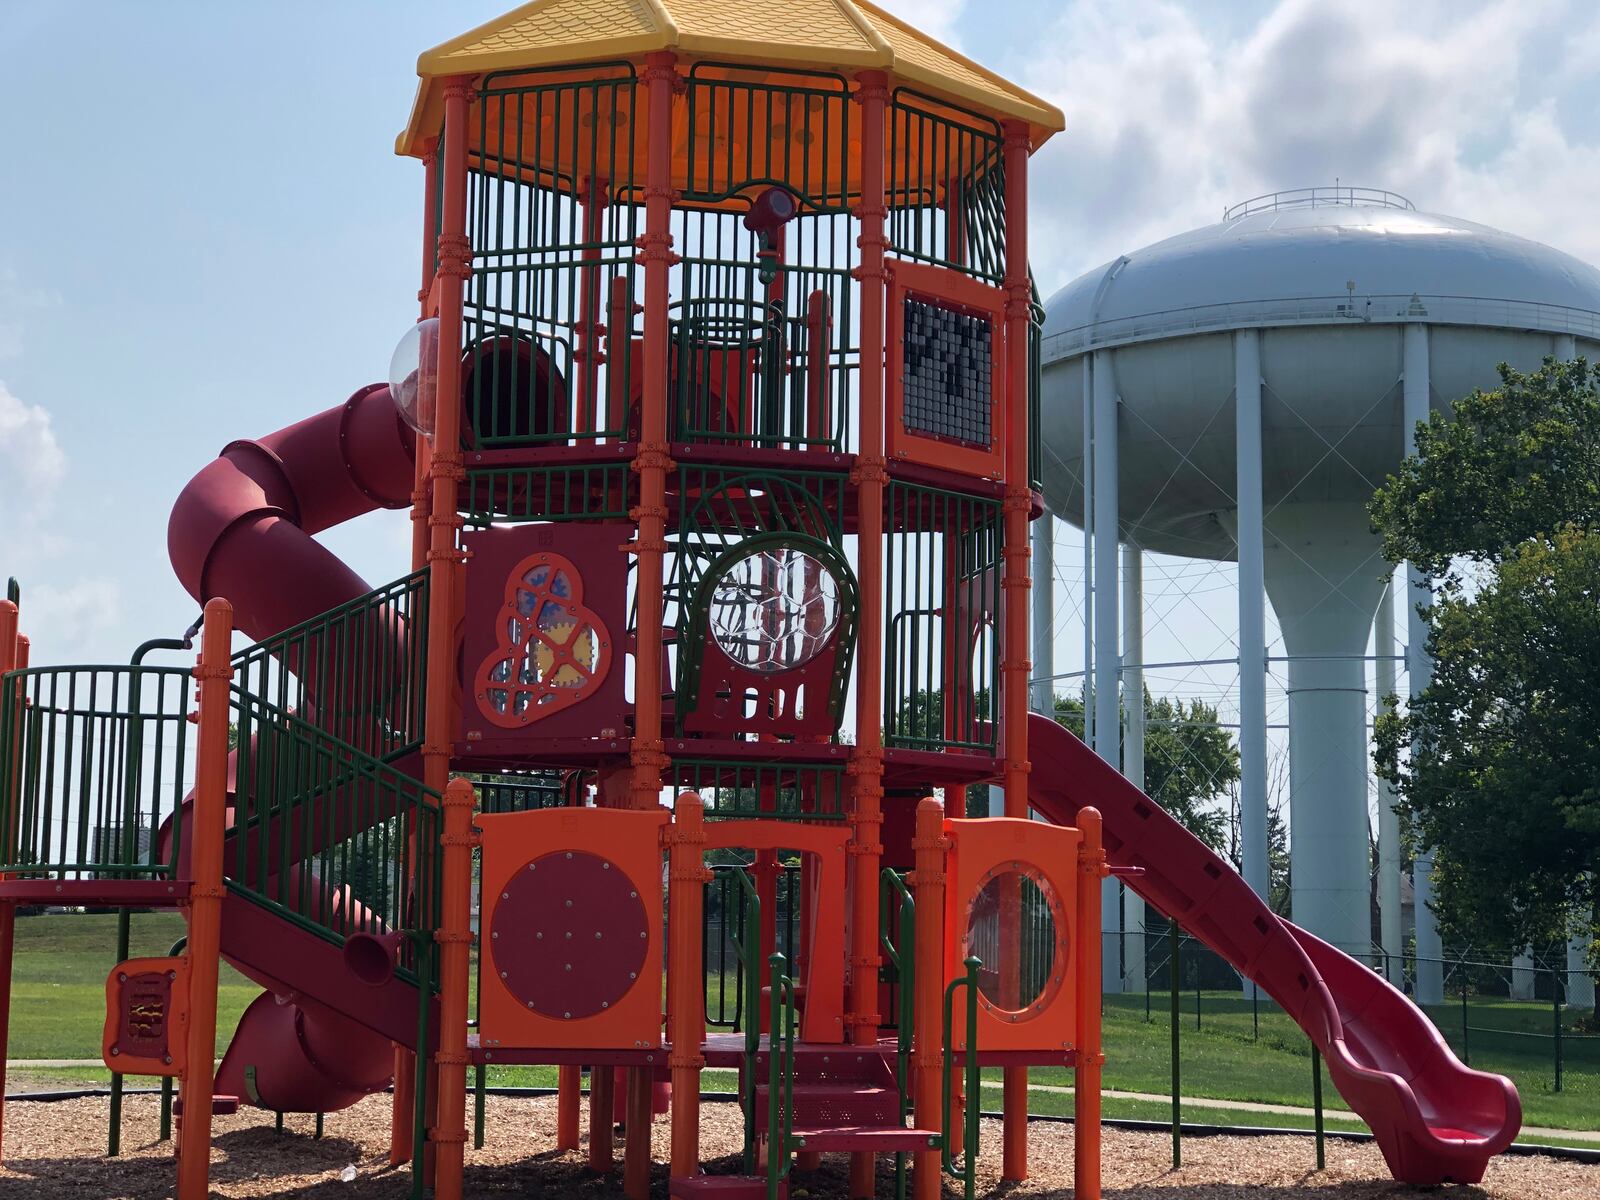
x=775 y=610
x=1015 y=926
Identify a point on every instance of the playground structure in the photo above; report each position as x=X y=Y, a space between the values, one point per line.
x=717 y=430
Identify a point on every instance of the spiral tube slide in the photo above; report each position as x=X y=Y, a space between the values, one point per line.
x=1435 y=1120
x=242 y=528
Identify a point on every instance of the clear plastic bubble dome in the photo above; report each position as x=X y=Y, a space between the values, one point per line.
x=414 y=375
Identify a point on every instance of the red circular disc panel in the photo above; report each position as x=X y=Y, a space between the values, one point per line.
x=569 y=934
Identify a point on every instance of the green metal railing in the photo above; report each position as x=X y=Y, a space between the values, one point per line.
x=329 y=838
x=563 y=492
x=723 y=931
x=524 y=791
x=554 y=210
x=94 y=761
x=358 y=671
x=897 y=926
x=967 y=1172
x=750 y=126
x=781 y=1143
x=747 y=946
x=741 y=789
x=946 y=186
x=941 y=575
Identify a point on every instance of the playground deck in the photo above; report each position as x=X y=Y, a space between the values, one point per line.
x=55 y=1150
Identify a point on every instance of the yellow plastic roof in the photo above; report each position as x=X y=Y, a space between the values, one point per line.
x=841 y=35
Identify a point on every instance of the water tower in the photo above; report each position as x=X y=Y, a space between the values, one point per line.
x=1236 y=393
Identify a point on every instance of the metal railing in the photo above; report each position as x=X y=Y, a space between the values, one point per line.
x=897 y=924
x=94 y=763
x=726 y=935
x=967 y=1172
x=358 y=671
x=1318 y=197
x=781 y=1142
x=330 y=838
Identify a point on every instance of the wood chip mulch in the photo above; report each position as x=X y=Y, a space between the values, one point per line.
x=56 y=1150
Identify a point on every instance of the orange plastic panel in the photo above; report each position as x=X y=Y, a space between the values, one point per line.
x=147 y=1016
x=947 y=289
x=1005 y=924
x=571 y=929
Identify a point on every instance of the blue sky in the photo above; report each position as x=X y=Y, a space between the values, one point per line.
x=205 y=235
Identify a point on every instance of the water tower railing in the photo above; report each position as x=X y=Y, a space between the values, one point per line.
x=1318 y=197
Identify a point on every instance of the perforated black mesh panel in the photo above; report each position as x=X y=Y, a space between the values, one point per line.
x=949 y=373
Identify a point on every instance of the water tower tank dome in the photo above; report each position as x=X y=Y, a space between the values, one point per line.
x=1318 y=255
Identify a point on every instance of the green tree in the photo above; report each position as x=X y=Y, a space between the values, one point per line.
x=1500 y=509
x=1190 y=761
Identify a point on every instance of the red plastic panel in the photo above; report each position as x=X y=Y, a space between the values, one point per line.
x=545 y=609
x=569 y=935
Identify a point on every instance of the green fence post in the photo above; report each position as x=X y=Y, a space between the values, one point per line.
x=1466 y=1030
x=1316 y=1105
x=1555 y=1004
x=480 y=1075
x=1175 y=983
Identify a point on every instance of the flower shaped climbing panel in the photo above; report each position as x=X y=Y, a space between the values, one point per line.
x=551 y=650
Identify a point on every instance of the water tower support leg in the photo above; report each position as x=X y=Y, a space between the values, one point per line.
x=1133 y=967
x=1416 y=403
x=1252 y=612
x=1107 y=662
x=1391 y=931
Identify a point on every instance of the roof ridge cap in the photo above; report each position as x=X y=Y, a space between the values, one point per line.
x=669 y=27
x=868 y=31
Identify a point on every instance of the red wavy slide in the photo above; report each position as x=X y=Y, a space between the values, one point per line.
x=1436 y=1120
x=320 y=1037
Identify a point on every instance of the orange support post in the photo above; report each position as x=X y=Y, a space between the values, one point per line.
x=568 y=1105
x=455 y=939
x=8 y=912
x=602 y=1082
x=686 y=995
x=454 y=267
x=927 y=1046
x=650 y=462
x=636 y=1151
x=1015 y=583
x=402 y=1103
x=1086 y=1083
x=869 y=478
x=213 y=674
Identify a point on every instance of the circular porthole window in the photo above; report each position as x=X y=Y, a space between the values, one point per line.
x=1016 y=928
x=775 y=610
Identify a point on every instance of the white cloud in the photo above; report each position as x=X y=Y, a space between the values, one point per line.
x=1450 y=103
x=937 y=18
x=67 y=622
x=29 y=453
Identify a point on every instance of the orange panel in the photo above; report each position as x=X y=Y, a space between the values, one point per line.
x=951 y=290
x=570 y=929
x=147 y=1017
x=1012 y=900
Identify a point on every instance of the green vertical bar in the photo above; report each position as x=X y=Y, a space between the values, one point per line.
x=1174 y=984
x=1316 y=1105
x=479 y=1079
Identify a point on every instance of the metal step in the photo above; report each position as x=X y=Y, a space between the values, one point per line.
x=879 y=1139
x=829 y=1105
x=725 y=1187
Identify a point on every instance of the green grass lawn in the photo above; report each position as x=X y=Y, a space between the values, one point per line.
x=58 y=1010
x=58 y=1001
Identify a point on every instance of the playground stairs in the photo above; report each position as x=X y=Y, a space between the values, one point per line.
x=725 y=1187
x=844 y=1099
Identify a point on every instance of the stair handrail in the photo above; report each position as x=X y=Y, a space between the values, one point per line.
x=968 y=1171
x=746 y=949
x=320 y=765
x=903 y=964
x=780 y=1075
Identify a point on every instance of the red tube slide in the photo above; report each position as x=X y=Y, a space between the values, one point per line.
x=242 y=529
x=1435 y=1120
